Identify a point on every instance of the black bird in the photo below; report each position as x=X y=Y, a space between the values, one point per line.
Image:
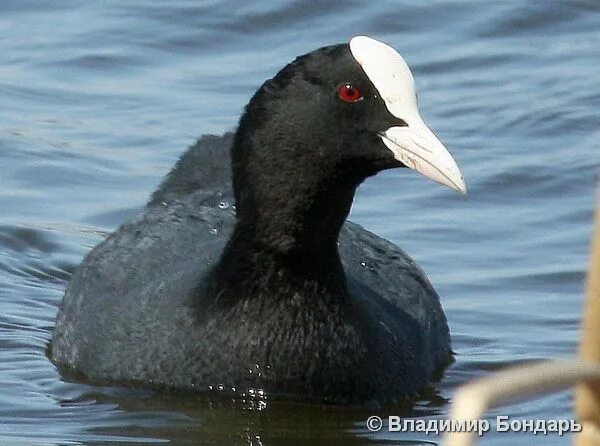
x=257 y=285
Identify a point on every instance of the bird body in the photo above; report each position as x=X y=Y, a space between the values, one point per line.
x=254 y=282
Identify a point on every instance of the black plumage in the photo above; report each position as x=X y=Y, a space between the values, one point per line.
x=258 y=283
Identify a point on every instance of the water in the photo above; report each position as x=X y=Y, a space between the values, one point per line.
x=98 y=99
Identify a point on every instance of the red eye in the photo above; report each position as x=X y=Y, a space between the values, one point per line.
x=349 y=93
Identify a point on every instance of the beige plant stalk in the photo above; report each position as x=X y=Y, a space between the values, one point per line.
x=587 y=402
x=472 y=400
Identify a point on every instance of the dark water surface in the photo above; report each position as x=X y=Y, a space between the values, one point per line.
x=98 y=99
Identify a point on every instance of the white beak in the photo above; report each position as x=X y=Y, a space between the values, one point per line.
x=414 y=145
x=418 y=148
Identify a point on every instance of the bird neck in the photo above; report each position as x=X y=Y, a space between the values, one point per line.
x=293 y=193
x=290 y=246
x=250 y=269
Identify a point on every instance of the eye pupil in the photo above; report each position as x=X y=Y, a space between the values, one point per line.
x=349 y=92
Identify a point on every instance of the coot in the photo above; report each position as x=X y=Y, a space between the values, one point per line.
x=240 y=275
